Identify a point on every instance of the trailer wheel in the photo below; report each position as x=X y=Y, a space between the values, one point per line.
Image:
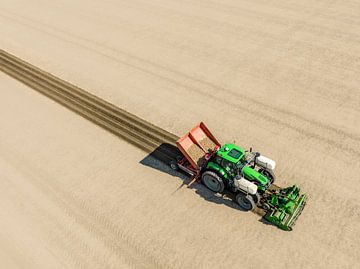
x=174 y=166
x=212 y=181
x=268 y=174
x=246 y=202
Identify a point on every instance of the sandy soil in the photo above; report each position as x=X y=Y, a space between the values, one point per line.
x=281 y=76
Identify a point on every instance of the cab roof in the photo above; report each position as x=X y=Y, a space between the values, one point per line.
x=231 y=153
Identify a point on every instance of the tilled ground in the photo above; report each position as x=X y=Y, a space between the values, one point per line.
x=281 y=76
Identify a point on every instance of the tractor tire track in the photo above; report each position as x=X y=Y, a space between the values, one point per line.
x=136 y=131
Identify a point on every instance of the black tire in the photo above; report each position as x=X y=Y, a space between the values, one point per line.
x=266 y=207
x=245 y=201
x=213 y=181
x=256 y=198
x=174 y=166
x=268 y=174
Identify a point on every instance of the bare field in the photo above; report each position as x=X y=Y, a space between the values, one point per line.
x=281 y=76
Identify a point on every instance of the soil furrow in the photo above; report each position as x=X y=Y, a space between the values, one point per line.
x=128 y=119
x=76 y=105
x=138 y=132
x=144 y=145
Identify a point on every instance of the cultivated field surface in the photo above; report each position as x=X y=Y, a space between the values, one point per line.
x=280 y=76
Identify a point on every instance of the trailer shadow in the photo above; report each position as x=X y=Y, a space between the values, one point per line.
x=155 y=161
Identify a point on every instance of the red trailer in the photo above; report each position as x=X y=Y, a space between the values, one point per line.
x=197 y=147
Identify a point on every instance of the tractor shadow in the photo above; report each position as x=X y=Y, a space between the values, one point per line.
x=159 y=161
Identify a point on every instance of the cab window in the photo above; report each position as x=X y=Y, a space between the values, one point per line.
x=234 y=153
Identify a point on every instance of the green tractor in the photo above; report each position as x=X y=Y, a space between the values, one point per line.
x=248 y=175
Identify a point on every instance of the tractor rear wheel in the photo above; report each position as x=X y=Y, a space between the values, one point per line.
x=268 y=174
x=213 y=181
x=245 y=201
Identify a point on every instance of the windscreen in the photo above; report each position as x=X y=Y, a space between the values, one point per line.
x=235 y=154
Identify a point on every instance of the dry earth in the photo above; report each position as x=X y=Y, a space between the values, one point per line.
x=282 y=76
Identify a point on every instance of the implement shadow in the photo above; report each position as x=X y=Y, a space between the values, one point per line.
x=160 y=158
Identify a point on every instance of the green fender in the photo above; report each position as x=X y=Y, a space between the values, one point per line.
x=218 y=168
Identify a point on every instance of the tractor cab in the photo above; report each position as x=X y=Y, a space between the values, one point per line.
x=231 y=153
x=229 y=157
x=225 y=161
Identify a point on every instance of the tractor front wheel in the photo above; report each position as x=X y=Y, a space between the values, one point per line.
x=213 y=181
x=245 y=201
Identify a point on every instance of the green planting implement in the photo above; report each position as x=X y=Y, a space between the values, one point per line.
x=284 y=206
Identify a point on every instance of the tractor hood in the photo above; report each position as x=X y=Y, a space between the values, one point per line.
x=255 y=176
